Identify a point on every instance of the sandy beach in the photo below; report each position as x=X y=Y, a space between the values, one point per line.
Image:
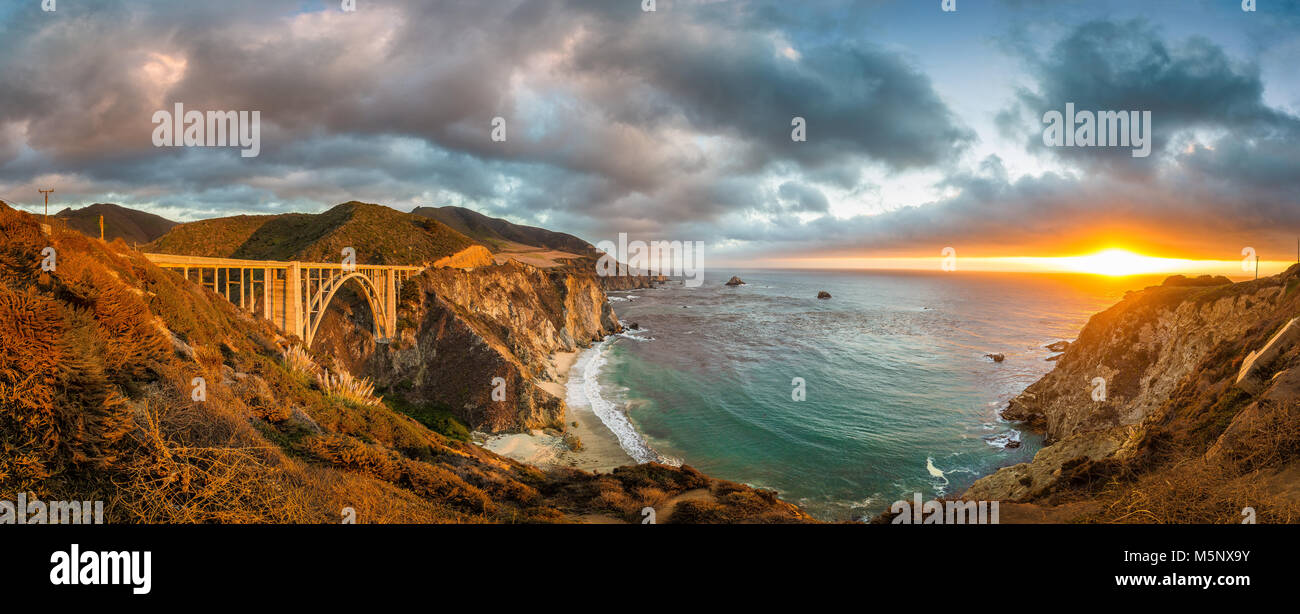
x=600 y=450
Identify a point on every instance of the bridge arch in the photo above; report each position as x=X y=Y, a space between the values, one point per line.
x=318 y=303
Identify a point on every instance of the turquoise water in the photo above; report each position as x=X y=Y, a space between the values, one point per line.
x=899 y=395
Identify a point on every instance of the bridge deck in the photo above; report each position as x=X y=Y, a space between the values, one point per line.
x=172 y=260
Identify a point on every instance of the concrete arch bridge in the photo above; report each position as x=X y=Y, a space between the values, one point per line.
x=294 y=295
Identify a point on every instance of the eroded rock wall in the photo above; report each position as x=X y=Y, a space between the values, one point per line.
x=459 y=330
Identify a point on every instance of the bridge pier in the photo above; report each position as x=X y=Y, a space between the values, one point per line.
x=293 y=300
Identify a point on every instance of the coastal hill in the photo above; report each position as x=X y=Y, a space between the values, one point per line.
x=379 y=235
x=130 y=225
x=1200 y=415
x=498 y=234
x=98 y=367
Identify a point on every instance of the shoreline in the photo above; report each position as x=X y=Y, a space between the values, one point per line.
x=600 y=451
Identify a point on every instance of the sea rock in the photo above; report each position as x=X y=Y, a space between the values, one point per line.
x=634 y=326
x=996 y=357
x=735 y=281
x=823 y=294
x=1058 y=346
x=1068 y=457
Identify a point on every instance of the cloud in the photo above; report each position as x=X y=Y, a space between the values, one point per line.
x=606 y=105
x=668 y=124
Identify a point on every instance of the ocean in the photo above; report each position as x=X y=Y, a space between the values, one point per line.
x=898 y=396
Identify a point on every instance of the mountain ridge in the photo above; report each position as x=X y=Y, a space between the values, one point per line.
x=130 y=225
x=497 y=232
x=379 y=234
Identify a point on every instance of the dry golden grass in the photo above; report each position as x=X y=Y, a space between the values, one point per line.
x=339 y=384
x=298 y=361
x=1193 y=492
x=342 y=385
x=1189 y=489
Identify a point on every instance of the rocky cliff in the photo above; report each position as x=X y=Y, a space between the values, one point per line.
x=1142 y=348
x=461 y=330
x=1189 y=381
x=631 y=282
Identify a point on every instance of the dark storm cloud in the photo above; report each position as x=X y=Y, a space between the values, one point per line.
x=800 y=197
x=856 y=99
x=1186 y=85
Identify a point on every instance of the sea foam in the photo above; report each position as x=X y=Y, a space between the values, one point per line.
x=584 y=391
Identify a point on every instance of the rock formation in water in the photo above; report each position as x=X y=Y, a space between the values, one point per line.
x=735 y=281
x=1057 y=346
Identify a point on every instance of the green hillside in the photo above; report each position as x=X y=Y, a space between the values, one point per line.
x=379 y=234
x=495 y=233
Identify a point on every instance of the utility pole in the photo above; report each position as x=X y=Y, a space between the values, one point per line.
x=1257 y=266
x=47 y=203
x=101 y=228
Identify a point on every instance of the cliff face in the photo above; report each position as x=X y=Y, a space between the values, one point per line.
x=1143 y=348
x=460 y=330
x=1202 y=404
x=631 y=282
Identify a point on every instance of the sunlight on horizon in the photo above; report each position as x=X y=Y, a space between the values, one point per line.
x=1110 y=262
x=1115 y=262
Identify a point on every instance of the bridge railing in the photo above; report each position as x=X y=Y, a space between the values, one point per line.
x=173 y=261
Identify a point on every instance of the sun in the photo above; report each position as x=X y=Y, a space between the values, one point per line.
x=1117 y=262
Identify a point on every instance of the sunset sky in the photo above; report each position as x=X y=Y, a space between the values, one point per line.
x=924 y=127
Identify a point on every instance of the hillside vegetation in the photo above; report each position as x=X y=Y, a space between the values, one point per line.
x=98 y=367
x=499 y=234
x=379 y=235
